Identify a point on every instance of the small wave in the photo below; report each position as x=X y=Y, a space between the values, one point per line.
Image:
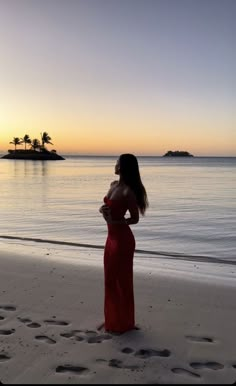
x=37 y=240
x=170 y=255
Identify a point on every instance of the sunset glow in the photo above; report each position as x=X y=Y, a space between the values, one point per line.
x=106 y=76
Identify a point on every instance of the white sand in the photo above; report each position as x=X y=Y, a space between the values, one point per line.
x=186 y=312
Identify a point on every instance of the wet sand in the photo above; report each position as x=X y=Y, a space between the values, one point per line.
x=51 y=305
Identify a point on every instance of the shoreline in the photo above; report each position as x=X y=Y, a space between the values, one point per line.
x=52 y=302
x=158 y=254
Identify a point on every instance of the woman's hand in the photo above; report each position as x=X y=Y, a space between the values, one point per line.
x=106 y=212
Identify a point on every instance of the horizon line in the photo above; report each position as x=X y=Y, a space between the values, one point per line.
x=137 y=155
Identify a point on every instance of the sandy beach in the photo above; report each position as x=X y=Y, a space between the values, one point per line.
x=52 y=303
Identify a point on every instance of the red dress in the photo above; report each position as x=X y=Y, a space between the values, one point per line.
x=118 y=270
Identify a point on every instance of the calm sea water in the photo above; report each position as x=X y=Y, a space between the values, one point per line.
x=192 y=203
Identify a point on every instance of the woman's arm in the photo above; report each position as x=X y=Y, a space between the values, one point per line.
x=133 y=219
x=133 y=210
x=106 y=212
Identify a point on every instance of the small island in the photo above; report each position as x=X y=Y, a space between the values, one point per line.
x=37 y=150
x=177 y=153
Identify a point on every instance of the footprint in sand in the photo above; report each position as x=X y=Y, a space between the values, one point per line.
x=29 y=322
x=8 y=308
x=72 y=334
x=98 y=339
x=127 y=350
x=207 y=365
x=24 y=320
x=117 y=363
x=179 y=370
x=199 y=339
x=79 y=338
x=89 y=336
x=56 y=322
x=147 y=353
x=33 y=325
x=71 y=369
x=4 y=357
x=142 y=353
x=94 y=337
x=7 y=332
x=45 y=339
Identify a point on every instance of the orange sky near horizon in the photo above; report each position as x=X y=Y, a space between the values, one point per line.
x=108 y=139
x=108 y=130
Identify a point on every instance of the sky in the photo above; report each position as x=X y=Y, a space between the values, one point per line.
x=116 y=76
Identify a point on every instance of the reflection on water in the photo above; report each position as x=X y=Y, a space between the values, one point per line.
x=24 y=184
x=29 y=167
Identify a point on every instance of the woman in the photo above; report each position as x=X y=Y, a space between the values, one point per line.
x=127 y=194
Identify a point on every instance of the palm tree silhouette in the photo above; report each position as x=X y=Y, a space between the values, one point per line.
x=26 y=139
x=35 y=144
x=16 y=141
x=45 y=139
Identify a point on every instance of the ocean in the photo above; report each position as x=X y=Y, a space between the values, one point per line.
x=192 y=212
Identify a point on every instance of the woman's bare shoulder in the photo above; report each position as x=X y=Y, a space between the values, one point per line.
x=129 y=194
x=114 y=183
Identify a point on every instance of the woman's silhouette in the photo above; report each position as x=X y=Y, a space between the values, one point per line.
x=127 y=194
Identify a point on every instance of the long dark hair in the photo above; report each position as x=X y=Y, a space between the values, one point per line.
x=129 y=170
